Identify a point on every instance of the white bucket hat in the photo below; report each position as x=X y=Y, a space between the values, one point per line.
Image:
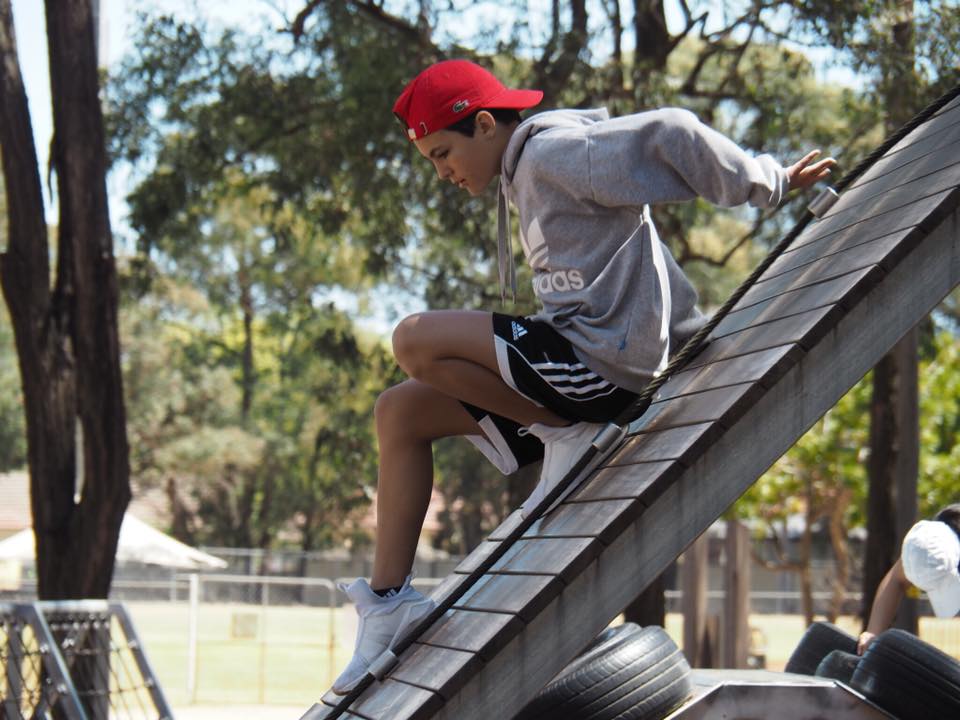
x=931 y=556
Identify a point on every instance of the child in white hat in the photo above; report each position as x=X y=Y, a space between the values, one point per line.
x=930 y=561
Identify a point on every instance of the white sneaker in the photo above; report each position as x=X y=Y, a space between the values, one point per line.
x=562 y=447
x=382 y=622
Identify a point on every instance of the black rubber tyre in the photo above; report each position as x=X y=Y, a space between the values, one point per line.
x=604 y=643
x=909 y=678
x=838 y=665
x=817 y=642
x=643 y=677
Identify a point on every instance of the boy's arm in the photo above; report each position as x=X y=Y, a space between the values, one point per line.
x=668 y=155
x=885 y=603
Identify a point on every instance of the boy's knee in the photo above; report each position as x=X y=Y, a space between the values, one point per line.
x=409 y=347
x=389 y=409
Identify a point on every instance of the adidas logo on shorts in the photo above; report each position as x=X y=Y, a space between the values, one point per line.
x=518 y=330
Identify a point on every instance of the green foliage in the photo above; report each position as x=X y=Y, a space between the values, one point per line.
x=939 y=483
x=13 y=435
x=828 y=464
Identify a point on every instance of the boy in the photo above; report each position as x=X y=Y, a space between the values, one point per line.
x=614 y=301
x=930 y=561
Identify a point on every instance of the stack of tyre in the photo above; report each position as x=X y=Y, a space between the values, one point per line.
x=900 y=673
x=627 y=672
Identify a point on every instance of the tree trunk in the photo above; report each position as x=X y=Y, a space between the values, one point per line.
x=67 y=340
x=892 y=468
x=894 y=426
x=653 y=41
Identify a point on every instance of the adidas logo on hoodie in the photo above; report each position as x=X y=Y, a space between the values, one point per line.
x=518 y=330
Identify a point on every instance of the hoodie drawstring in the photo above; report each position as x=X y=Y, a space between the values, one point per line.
x=505 y=263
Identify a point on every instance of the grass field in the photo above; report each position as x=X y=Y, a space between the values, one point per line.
x=290 y=655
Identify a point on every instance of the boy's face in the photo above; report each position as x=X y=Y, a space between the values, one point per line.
x=470 y=163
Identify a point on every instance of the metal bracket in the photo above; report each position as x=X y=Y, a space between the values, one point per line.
x=383 y=664
x=823 y=202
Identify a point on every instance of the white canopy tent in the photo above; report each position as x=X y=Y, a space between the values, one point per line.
x=139 y=542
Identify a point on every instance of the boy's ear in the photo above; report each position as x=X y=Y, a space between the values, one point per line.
x=486 y=124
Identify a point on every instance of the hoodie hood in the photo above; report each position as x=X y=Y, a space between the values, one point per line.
x=508 y=166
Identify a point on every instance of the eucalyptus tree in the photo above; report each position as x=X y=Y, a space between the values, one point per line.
x=66 y=334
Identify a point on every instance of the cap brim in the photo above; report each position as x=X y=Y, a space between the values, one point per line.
x=515 y=99
x=945 y=600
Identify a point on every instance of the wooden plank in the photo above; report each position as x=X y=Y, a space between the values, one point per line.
x=610 y=483
x=483 y=633
x=940 y=169
x=831 y=246
x=736 y=603
x=951 y=106
x=447 y=586
x=927 y=143
x=480 y=553
x=540 y=557
x=884 y=252
x=901 y=217
x=690 y=504
x=846 y=212
x=439 y=670
x=394 y=700
x=845 y=289
x=760 y=366
x=522 y=595
x=602 y=519
x=673 y=444
x=562 y=557
x=693 y=584
x=702 y=407
x=506 y=527
x=793 y=329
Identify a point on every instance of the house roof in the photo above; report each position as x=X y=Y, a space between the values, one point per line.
x=14 y=502
x=149 y=505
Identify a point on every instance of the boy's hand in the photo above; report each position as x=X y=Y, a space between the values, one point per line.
x=802 y=174
x=864 y=642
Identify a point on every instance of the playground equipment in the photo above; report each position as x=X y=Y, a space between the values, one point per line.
x=78 y=660
x=805 y=330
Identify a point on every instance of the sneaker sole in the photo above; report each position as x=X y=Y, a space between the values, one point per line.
x=413 y=614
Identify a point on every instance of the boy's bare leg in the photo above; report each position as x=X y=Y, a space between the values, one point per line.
x=453 y=351
x=409 y=417
x=451 y=356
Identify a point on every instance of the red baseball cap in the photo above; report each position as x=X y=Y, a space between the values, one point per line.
x=452 y=89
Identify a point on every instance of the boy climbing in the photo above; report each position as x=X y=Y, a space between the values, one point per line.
x=613 y=300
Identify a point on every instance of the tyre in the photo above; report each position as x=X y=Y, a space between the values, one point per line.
x=816 y=643
x=606 y=642
x=909 y=678
x=640 y=675
x=838 y=665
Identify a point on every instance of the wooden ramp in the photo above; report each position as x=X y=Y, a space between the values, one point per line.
x=829 y=308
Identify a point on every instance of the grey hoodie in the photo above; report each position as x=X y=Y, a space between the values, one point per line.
x=582 y=184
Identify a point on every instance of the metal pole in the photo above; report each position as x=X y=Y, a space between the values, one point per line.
x=264 y=602
x=331 y=665
x=192 y=638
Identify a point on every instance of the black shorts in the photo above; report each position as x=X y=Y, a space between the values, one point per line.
x=540 y=364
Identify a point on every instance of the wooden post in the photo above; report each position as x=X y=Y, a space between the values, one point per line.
x=694 y=584
x=736 y=606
